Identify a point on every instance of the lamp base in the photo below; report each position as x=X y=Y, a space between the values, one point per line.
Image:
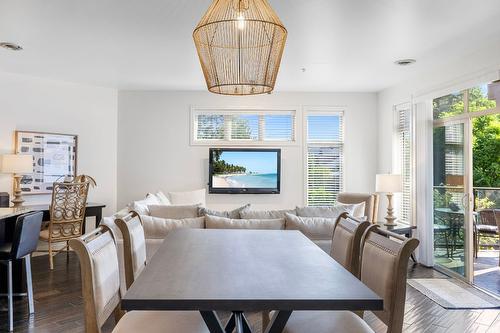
x=390 y=218
x=390 y=221
x=18 y=195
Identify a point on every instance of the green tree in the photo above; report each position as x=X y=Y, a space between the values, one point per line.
x=486 y=151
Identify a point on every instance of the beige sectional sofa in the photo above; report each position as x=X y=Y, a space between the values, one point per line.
x=315 y=222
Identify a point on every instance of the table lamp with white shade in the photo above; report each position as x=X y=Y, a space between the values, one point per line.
x=18 y=165
x=389 y=184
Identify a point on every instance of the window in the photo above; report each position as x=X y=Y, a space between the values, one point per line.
x=243 y=126
x=480 y=98
x=324 y=143
x=404 y=134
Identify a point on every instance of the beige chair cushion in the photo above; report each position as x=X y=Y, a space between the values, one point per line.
x=138 y=245
x=216 y=222
x=161 y=322
x=315 y=228
x=326 y=322
x=106 y=271
x=158 y=228
x=265 y=214
x=378 y=269
x=342 y=247
x=173 y=212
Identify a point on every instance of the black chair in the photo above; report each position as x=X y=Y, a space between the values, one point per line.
x=24 y=242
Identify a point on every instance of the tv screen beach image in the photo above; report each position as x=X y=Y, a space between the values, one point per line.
x=244 y=169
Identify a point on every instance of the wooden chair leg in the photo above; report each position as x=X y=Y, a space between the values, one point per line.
x=51 y=257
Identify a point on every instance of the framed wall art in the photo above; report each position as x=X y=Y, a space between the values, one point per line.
x=55 y=156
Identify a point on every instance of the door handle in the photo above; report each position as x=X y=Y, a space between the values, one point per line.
x=465 y=198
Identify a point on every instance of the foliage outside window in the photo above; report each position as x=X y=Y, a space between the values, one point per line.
x=485 y=140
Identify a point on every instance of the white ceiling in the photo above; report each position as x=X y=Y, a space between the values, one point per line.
x=345 y=45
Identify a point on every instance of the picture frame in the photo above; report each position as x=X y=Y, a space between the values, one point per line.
x=54 y=158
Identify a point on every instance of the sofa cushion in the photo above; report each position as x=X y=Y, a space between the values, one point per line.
x=158 y=228
x=217 y=222
x=358 y=210
x=315 y=228
x=141 y=206
x=330 y=212
x=173 y=211
x=265 y=214
x=188 y=197
x=233 y=214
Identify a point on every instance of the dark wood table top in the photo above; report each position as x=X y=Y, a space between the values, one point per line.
x=245 y=270
x=399 y=228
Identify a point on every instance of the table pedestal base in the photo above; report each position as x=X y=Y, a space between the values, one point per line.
x=239 y=322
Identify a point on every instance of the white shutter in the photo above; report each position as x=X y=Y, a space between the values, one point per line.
x=279 y=127
x=325 y=176
x=404 y=136
x=263 y=127
x=209 y=127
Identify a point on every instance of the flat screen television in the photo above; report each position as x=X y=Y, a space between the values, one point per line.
x=244 y=171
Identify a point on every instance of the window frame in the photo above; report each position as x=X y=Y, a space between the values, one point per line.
x=261 y=111
x=327 y=111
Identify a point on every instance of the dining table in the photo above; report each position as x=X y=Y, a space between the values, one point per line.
x=238 y=271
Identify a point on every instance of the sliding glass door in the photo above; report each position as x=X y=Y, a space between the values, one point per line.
x=451 y=194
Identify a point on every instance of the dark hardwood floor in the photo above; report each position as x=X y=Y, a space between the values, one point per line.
x=59 y=305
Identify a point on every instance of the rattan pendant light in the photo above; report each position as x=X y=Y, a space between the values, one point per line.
x=240 y=43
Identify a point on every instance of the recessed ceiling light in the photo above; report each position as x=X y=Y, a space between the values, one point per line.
x=11 y=46
x=405 y=62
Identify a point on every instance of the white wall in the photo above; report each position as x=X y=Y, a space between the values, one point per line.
x=34 y=104
x=154 y=150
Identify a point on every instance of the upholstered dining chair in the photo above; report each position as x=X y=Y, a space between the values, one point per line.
x=134 y=246
x=23 y=243
x=99 y=268
x=346 y=241
x=383 y=269
x=67 y=214
x=346 y=244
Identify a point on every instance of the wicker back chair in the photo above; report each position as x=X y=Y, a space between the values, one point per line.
x=67 y=214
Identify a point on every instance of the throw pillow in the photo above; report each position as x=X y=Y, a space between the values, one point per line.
x=331 y=212
x=162 y=198
x=141 y=206
x=217 y=222
x=158 y=228
x=265 y=214
x=233 y=214
x=315 y=228
x=188 y=198
x=173 y=211
x=358 y=210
